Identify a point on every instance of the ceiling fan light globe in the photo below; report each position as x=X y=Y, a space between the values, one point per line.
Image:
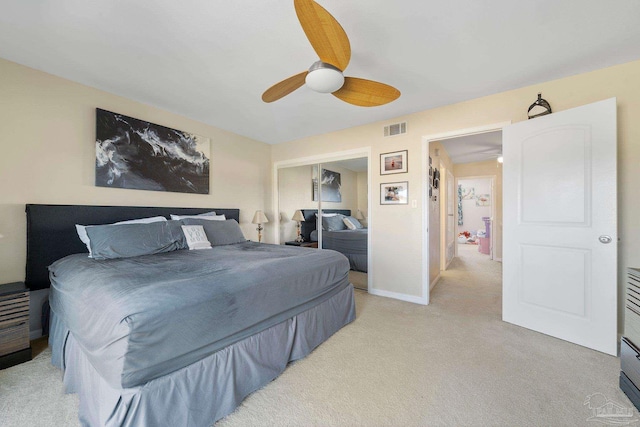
x=324 y=80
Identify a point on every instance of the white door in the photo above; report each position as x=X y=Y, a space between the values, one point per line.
x=560 y=225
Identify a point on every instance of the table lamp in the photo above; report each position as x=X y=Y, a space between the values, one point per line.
x=298 y=217
x=259 y=218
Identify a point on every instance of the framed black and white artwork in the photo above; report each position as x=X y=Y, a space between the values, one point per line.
x=135 y=154
x=330 y=185
x=395 y=162
x=394 y=193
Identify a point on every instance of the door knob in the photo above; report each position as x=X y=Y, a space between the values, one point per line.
x=605 y=239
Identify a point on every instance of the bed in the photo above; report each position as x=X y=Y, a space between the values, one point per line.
x=179 y=337
x=351 y=243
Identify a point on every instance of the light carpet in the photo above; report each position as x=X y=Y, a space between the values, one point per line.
x=453 y=362
x=359 y=280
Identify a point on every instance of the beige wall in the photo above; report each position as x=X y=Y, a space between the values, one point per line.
x=488 y=168
x=396 y=231
x=48 y=156
x=294 y=192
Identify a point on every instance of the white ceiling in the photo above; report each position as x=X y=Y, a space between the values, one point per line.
x=474 y=148
x=212 y=60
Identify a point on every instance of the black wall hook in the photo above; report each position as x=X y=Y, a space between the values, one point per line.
x=540 y=102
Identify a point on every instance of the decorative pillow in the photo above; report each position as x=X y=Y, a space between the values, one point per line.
x=352 y=223
x=333 y=223
x=219 y=233
x=130 y=240
x=196 y=237
x=328 y=214
x=208 y=215
x=82 y=233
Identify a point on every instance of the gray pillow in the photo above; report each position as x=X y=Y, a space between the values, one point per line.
x=333 y=223
x=129 y=240
x=219 y=233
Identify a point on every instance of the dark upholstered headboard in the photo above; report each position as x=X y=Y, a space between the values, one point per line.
x=51 y=231
x=310 y=222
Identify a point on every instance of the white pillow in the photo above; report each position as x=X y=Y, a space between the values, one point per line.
x=82 y=233
x=196 y=237
x=349 y=224
x=209 y=215
x=328 y=214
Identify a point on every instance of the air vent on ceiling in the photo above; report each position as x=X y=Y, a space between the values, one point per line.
x=395 y=129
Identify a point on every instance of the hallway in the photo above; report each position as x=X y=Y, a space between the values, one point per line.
x=474 y=279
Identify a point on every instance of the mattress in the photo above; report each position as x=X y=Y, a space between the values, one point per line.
x=137 y=319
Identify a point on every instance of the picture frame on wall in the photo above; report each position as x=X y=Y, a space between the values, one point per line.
x=436 y=179
x=395 y=162
x=139 y=155
x=394 y=193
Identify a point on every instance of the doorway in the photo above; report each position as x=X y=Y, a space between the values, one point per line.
x=468 y=153
x=475 y=214
x=466 y=201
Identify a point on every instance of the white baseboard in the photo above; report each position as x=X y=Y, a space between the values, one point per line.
x=433 y=283
x=396 y=295
x=35 y=334
x=446 y=267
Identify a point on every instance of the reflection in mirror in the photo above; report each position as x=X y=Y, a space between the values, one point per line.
x=330 y=202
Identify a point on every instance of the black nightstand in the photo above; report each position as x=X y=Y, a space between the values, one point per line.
x=14 y=324
x=302 y=244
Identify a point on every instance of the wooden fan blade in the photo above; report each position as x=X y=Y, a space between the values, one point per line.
x=324 y=33
x=284 y=88
x=366 y=93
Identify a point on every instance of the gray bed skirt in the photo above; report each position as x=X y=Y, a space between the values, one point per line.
x=207 y=390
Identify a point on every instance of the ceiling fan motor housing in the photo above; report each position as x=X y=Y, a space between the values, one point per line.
x=324 y=78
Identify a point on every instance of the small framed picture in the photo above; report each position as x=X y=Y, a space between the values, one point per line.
x=394 y=193
x=395 y=162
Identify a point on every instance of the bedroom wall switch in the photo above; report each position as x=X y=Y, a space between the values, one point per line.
x=414 y=203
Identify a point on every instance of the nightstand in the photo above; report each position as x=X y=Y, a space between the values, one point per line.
x=302 y=244
x=14 y=324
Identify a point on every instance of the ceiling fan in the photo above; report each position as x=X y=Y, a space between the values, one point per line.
x=331 y=44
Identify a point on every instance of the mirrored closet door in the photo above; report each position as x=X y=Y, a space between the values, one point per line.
x=325 y=206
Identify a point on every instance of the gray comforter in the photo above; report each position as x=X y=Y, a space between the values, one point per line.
x=139 y=318
x=350 y=243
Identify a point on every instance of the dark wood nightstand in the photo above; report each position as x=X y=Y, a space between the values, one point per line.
x=14 y=324
x=302 y=244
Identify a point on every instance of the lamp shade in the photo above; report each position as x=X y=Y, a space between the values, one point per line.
x=259 y=218
x=297 y=216
x=359 y=215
